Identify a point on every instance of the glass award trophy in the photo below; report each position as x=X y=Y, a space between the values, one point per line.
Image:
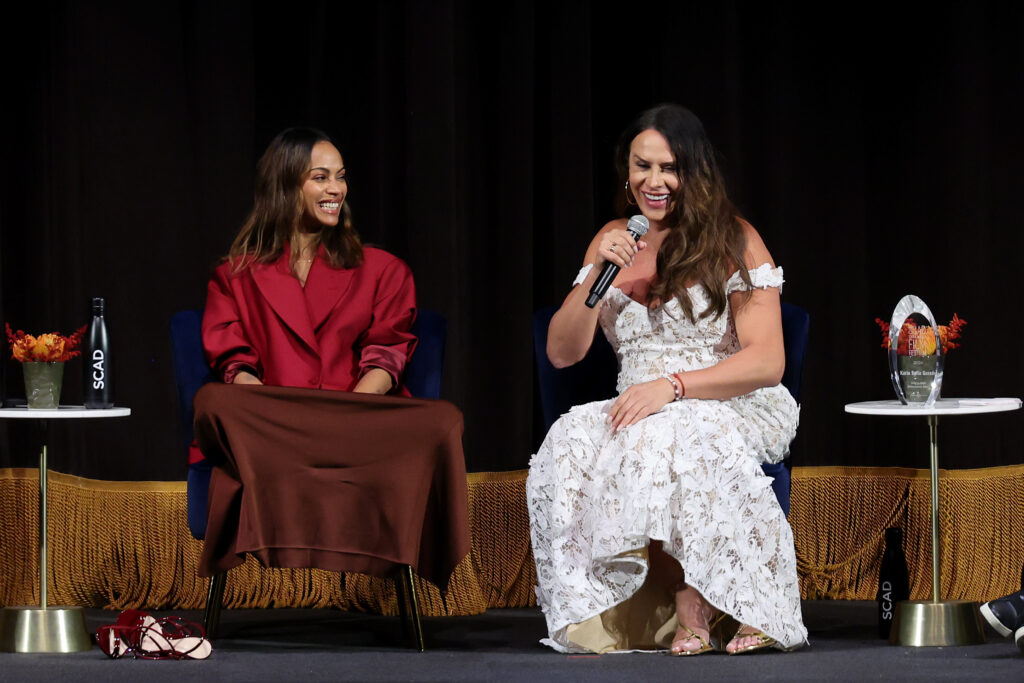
x=915 y=353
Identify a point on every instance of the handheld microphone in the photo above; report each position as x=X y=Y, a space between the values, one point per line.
x=637 y=227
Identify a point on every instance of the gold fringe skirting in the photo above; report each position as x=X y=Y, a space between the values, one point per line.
x=126 y=544
x=839 y=516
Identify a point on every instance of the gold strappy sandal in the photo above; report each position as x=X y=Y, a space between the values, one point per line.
x=763 y=640
x=705 y=645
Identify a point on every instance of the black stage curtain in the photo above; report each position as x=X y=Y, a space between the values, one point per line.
x=879 y=153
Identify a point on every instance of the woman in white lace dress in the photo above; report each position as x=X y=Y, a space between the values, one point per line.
x=653 y=525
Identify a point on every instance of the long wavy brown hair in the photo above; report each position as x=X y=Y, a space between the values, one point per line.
x=277 y=208
x=705 y=243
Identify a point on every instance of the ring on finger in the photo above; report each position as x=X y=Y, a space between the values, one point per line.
x=612 y=248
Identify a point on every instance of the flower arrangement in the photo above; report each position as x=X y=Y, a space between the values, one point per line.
x=52 y=347
x=919 y=340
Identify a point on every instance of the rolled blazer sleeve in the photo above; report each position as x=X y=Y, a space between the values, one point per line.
x=388 y=343
x=225 y=342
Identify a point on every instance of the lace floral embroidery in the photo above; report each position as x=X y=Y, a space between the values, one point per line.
x=762 y=277
x=688 y=476
x=582 y=275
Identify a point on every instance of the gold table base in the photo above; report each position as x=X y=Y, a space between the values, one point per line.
x=935 y=622
x=44 y=629
x=928 y=623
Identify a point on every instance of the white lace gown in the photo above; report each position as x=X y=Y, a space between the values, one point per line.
x=689 y=476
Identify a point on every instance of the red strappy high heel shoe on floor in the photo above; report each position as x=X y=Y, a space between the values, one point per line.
x=138 y=634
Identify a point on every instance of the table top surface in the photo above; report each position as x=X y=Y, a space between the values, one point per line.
x=945 y=406
x=63 y=413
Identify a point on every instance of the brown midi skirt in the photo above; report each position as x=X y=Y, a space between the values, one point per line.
x=334 y=480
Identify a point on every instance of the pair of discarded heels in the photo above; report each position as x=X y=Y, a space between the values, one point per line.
x=138 y=634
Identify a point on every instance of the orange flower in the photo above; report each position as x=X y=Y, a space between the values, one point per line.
x=22 y=349
x=51 y=347
x=919 y=340
x=48 y=345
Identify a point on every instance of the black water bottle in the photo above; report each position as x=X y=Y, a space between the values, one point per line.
x=98 y=391
x=893 y=580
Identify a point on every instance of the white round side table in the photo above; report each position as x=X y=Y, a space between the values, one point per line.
x=45 y=628
x=936 y=622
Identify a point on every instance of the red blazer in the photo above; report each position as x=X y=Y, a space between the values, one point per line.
x=326 y=335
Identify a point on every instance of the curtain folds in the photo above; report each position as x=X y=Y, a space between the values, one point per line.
x=877 y=158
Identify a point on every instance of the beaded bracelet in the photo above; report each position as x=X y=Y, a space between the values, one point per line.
x=677 y=386
x=682 y=387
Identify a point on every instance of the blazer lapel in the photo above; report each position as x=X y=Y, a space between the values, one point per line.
x=283 y=292
x=324 y=288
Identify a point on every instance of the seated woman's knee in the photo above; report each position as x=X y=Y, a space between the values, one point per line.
x=446 y=417
x=213 y=397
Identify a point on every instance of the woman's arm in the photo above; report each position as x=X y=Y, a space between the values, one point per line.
x=375 y=381
x=762 y=356
x=385 y=348
x=572 y=328
x=243 y=377
x=760 y=361
x=225 y=342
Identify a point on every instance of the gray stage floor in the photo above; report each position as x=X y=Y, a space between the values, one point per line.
x=501 y=645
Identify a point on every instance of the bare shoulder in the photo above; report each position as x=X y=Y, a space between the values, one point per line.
x=617 y=224
x=755 y=253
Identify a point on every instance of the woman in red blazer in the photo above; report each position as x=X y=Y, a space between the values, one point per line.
x=337 y=479
x=296 y=291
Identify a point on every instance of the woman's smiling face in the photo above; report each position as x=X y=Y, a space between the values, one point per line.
x=323 y=189
x=653 y=174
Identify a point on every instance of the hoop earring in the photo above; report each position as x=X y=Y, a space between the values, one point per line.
x=629 y=195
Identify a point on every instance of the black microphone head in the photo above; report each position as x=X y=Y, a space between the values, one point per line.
x=638 y=225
